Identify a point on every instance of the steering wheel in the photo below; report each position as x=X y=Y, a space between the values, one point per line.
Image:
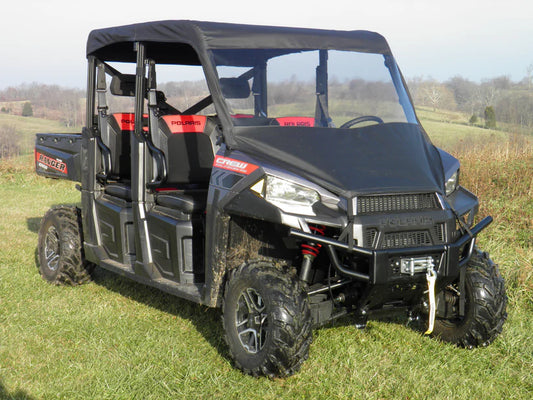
x=358 y=120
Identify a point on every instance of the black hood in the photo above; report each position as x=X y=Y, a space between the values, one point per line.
x=383 y=158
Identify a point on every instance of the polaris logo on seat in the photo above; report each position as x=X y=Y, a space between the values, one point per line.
x=185 y=123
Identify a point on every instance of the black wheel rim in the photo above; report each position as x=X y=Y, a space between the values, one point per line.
x=251 y=321
x=51 y=248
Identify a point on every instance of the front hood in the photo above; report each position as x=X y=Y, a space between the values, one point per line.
x=383 y=158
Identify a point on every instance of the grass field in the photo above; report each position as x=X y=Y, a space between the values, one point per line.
x=26 y=127
x=115 y=339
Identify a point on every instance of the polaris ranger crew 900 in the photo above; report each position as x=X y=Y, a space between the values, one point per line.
x=293 y=185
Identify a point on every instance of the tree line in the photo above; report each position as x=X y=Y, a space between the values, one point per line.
x=496 y=100
x=45 y=101
x=501 y=98
x=512 y=102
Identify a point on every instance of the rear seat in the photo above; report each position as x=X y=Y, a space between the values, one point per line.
x=116 y=137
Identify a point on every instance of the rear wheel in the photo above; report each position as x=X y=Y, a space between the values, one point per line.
x=485 y=305
x=60 y=249
x=267 y=320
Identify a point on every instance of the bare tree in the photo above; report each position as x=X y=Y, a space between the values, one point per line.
x=9 y=141
x=433 y=95
x=489 y=94
x=529 y=71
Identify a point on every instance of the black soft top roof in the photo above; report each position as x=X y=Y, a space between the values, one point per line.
x=171 y=41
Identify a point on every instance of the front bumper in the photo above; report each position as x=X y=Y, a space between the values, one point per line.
x=382 y=262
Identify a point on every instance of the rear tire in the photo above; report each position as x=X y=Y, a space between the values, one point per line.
x=485 y=306
x=267 y=320
x=60 y=247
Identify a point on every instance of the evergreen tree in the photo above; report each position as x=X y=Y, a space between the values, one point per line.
x=27 y=110
x=490 y=118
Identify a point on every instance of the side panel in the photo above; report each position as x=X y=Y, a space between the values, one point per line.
x=115 y=223
x=176 y=247
x=57 y=155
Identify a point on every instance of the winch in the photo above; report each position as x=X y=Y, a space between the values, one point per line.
x=413 y=265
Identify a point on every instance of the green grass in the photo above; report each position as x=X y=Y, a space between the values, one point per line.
x=26 y=127
x=450 y=127
x=115 y=339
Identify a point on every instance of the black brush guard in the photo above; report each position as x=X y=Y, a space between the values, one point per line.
x=454 y=256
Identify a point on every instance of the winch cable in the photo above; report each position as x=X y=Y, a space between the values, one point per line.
x=431 y=277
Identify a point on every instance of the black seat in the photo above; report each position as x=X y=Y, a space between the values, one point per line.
x=120 y=190
x=116 y=137
x=188 y=202
x=185 y=141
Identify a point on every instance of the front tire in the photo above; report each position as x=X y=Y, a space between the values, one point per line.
x=485 y=306
x=267 y=320
x=60 y=250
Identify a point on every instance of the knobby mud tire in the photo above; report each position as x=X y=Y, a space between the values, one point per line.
x=485 y=308
x=60 y=247
x=287 y=316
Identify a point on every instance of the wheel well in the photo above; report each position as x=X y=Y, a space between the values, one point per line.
x=251 y=239
x=243 y=239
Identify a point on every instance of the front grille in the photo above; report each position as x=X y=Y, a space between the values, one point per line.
x=398 y=240
x=396 y=203
x=440 y=233
x=371 y=235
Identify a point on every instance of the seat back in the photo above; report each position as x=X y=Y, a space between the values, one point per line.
x=116 y=136
x=188 y=148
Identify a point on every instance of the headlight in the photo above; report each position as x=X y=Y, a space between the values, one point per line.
x=452 y=183
x=288 y=196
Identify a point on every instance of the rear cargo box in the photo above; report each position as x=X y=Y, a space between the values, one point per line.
x=57 y=155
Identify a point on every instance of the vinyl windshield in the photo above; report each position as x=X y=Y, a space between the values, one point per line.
x=312 y=88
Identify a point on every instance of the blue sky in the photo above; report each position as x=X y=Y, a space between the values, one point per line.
x=44 y=41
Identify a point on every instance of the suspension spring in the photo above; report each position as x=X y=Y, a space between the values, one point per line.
x=310 y=251
x=313 y=249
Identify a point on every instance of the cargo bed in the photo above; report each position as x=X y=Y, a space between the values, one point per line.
x=57 y=155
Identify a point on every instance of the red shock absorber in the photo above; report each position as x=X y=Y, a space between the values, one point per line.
x=313 y=249
x=310 y=251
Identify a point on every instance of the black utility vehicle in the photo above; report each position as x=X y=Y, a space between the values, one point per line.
x=292 y=185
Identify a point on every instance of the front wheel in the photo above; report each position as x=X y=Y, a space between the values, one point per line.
x=485 y=305
x=267 y=320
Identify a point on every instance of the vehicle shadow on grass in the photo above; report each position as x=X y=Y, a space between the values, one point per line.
x=207 y=321
x=399 y=319
x=33 y=224
x=17 y=395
